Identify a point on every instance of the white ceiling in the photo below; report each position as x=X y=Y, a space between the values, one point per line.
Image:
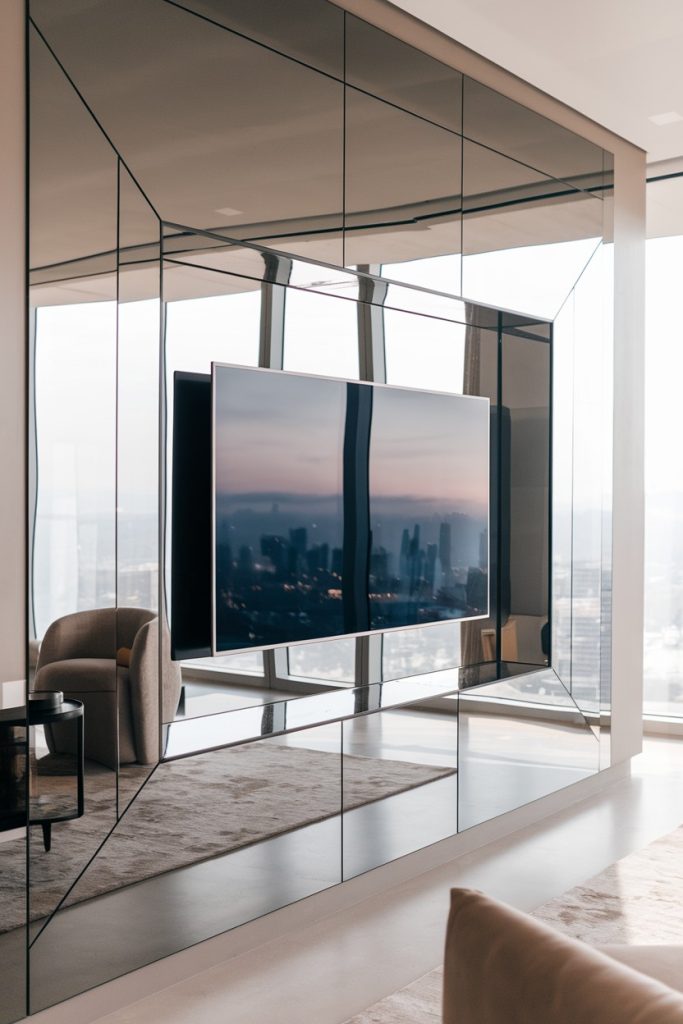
x=617 y=61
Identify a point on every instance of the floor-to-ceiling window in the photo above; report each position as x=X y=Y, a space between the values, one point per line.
x=663 y=662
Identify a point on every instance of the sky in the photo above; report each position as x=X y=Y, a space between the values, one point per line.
x=281 y=434
x=278 y=433
x=430 y=448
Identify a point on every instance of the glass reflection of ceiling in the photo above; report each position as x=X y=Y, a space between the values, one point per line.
x=257 y=126
x=216 y=255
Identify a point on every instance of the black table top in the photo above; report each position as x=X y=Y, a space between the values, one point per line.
x=40 y=716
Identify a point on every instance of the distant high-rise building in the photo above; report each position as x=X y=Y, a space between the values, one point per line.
x=379 y=568
x=275 y=548
x=337 y=561
x=245 y=559
x=445 y=546
x=483 y=549
x=298 y=538
x=296 y=556
x=476 y=590
x=404 y=561
x=317 y=558
x=416 y=559
x=430 y=570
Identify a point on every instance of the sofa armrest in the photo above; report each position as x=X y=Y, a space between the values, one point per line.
x=503 y=967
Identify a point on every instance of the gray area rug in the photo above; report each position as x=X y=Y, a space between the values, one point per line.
x=629 y=903
x=191 y=810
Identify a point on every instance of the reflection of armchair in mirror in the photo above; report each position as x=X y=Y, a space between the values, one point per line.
x=109 y=659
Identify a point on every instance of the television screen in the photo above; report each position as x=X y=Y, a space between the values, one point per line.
x=344 y=507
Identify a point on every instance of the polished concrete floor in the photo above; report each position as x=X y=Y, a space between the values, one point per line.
x=331 y=969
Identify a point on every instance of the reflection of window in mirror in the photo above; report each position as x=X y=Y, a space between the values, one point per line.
x=436 y=363
x=223 y=683
x=664 y=483
x=414 y=651
x=224 y=328
x=334 y=661
x=321 y=335
x=73 y=551
x=438 y=273
x=531 y=279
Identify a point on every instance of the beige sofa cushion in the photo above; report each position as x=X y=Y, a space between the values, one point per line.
x=503 y=967
x=665 y=963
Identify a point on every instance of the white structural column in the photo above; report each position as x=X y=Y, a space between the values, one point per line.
x=628 y=477
x=12 y=342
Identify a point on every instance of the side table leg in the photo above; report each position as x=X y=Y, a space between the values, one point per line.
x=47 y=835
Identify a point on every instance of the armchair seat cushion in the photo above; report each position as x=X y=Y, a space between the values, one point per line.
x=79 y=675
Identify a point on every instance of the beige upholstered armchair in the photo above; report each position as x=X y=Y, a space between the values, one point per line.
x=109 y=659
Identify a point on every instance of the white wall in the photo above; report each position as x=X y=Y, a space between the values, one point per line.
x=12 y=343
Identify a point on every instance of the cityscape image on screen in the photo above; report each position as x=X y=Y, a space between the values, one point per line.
x=343 y=507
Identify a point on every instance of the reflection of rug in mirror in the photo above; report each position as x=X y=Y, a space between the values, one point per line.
x=194 y=809
x=82 y=837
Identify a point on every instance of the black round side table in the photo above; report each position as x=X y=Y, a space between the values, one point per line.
x=55 y=783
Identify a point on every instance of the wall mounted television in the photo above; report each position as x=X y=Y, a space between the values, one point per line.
x=340 y=508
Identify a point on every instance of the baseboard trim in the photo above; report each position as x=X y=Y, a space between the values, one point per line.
x=662 y=726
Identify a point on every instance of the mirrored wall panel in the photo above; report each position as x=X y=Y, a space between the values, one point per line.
x=478 y=354
x=526 y=237
x=226 y=131
x=399 y=780
x=518 y=740
x=15 y=767
x=501 y=124
x=286 y=187
x=402 y=75
x=525 y=443
x=582 y=578
x=305 y=30
x=73 y=746
x=142 y=653
x=211 y=842
x=402 y=184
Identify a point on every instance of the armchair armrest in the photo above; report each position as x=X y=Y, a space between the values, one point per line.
x=144 y=690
